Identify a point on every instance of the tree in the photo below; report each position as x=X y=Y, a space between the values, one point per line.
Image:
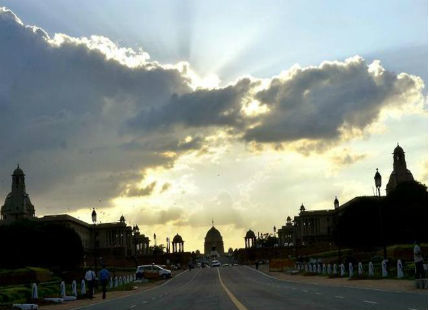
x=33 y=243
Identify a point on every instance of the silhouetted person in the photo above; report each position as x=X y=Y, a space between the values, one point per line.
x=90 y=281
x=418 y=261
x=104 y=278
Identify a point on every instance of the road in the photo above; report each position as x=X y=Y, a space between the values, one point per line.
x=243 y=288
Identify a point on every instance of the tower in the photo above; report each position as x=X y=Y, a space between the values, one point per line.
x=17 y=204
x=400 y=172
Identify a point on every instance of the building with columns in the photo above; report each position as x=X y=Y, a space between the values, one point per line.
x=114 y=238
x=178 y=244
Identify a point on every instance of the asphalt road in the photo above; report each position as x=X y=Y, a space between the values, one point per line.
x=243 y=288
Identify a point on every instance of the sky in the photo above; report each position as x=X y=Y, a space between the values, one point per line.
x=174 y=113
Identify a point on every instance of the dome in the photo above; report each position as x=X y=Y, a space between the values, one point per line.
x=302 y=208
x=18 y=171
x=398 y=150
x=122 y=219
x=213 y=235
x=250 y=234
x=288 y=219
x=177 y=239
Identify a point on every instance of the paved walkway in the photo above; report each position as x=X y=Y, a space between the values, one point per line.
x=393 y=285
x=140 y=287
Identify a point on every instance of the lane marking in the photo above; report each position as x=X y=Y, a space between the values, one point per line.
x=131 y=294
x=370 y=302
x=234 y=300
x=132 y=306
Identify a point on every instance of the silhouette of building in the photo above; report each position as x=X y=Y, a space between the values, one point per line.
x=317 y=226
x=178 y=244
x=400 y=172
x=213 y=243
x=17 y=204
x=250 y=239
x=115 y=238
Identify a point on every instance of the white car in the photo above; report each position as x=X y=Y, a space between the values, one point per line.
x=152 y=272
x=215 y=263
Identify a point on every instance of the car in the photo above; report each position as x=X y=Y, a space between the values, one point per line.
x=152 y=272
x=215 y=263
x=225 y=265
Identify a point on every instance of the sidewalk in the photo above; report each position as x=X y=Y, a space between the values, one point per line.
x=140 y=287
x=379 y=284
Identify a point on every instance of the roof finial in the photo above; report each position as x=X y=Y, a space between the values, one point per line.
x=212 y=222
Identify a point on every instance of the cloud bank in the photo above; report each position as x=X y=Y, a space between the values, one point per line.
x=88 y=117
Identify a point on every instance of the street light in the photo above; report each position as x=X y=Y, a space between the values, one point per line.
x=377 y=180
x=136 y=233
x=94 y=221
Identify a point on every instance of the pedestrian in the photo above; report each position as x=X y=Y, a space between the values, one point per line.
x=90 y=282
x=418 y=261
x=104 y=278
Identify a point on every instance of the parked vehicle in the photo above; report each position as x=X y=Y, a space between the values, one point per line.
x=215 y=263
x=152 y=272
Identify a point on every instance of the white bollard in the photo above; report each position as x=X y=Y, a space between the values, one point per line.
x=350 y=270
x=319 y=270
x=400 y=270
x=360 y=269
x=111 y=282
x=120 y=281
x=306 y=268
x=370 y=269
x=314 y=268
x=34 y=292
x=329 y=269
x=82 y=287
x=384 y=272
x=335 y=269
x=116 y=282
x=74 y=288
x=62 y=289
x=343 y=270
x=324 y=269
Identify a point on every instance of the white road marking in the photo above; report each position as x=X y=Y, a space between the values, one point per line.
x=340 y=297
x=412 y=309
x=370 y=302
x=132 y=306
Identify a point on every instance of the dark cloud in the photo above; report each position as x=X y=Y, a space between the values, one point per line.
x=139 y=192
x=317 y=102
x=165 y=187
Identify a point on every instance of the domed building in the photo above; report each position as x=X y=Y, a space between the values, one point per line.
x=17 y=204
x=213 y=243
x=400 y=172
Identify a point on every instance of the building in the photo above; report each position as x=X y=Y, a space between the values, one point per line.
x=317 y=226
x=213 y=243
x=115 y=238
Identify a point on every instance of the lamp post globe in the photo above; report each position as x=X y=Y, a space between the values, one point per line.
x=94 y=221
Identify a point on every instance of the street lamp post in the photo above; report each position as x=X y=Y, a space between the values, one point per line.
x=377 y=180
x=94 y=221
x=136 y=232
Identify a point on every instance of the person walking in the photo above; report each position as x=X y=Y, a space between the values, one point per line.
x=418 y=261
x=104 y=278
x=90 y=281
